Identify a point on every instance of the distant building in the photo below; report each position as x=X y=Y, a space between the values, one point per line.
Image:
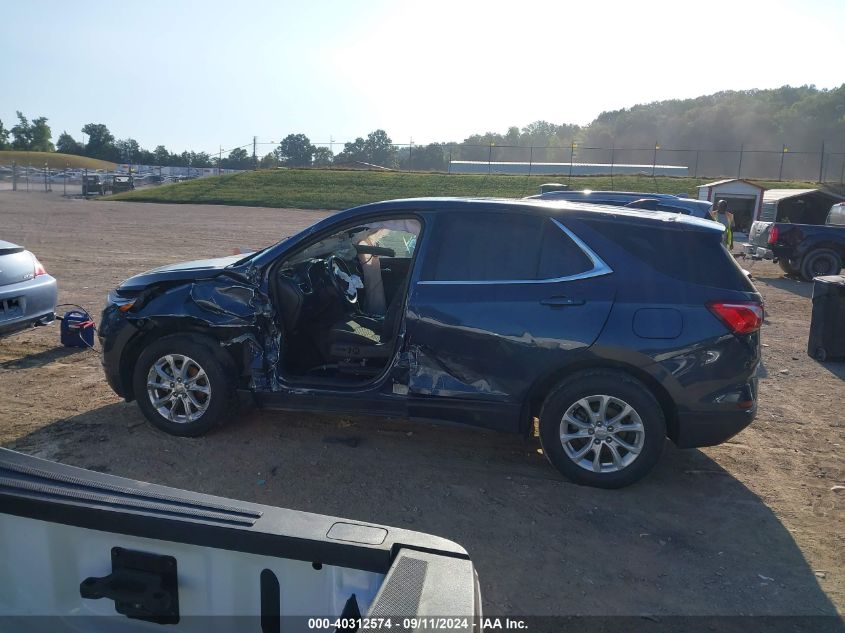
x=744 y=198
x=562 y=169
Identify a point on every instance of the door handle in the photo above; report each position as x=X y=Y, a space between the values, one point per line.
x=561 y=302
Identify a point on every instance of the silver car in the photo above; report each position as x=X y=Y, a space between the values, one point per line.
x=27 y=293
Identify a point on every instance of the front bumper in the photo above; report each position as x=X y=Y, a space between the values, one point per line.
x=114 y=334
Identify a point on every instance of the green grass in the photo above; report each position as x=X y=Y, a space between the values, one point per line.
x=54 y=160
x=336 y=189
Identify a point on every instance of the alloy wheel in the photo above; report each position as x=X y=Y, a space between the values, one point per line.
x=178 y=388
x=602 y=433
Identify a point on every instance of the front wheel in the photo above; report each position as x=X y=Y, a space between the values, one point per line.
x=602 y=428
x=182 y=387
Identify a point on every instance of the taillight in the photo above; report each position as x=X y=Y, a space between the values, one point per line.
x=773 y=234
x=740 y=318
x=38 y=267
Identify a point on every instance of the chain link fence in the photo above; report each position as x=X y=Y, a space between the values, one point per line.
x=68 y=180
x=822 y=166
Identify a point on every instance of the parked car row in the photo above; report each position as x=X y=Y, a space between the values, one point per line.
x=110 y=183
x=92 y=176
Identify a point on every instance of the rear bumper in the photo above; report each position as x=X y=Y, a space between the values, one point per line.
x=34 y=304
x=709 y=429
x=18 y=325
x=757 y=252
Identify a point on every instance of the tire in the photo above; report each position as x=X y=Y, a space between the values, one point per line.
x=819 y=263
x=192 y=412
x=592 y=387
x=788 y=268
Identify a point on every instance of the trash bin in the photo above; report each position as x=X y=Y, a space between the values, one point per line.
x=827 y=327
x=553 y=186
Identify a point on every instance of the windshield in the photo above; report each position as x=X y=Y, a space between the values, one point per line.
x=254 y=254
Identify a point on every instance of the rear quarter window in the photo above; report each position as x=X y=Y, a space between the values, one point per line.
x=691 y=255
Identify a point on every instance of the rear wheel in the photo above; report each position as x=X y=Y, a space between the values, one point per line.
x=182 y=387
x=602 y=428
x=820 y=262
x=788 y=268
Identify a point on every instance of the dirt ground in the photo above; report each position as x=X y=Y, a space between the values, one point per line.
x=754 y=526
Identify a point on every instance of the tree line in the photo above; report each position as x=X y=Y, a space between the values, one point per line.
x=788 y=118
x=36 y=136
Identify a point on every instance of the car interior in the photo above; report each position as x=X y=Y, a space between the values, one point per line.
x=339 y=301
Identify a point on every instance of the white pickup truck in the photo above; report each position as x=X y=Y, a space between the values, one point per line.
x=85 y=551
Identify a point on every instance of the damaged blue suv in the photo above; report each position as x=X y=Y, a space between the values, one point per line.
x=616 y=328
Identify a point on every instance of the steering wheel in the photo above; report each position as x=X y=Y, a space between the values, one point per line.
x=338 y=269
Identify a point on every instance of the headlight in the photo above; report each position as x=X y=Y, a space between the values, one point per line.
x=124 y=304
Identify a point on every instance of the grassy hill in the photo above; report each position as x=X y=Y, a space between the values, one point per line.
x=54 y=160
x=335 y=189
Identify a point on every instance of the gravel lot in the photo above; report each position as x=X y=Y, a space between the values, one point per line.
x=754 y=526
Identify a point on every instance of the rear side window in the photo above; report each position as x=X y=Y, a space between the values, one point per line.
x=501 y=247
x=694 y=256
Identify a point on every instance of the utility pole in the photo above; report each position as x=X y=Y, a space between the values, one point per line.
x=571 y=159
x=821 y=165
x=783 y=152
x=654 y=161
x=739 y=167
x=219 y=159
x=612 y=160
x=254 y=158
x=530 y=159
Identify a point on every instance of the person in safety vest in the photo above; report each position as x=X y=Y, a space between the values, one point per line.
x=724 y=217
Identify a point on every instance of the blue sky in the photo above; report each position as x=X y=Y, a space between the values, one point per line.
x=198 y=75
